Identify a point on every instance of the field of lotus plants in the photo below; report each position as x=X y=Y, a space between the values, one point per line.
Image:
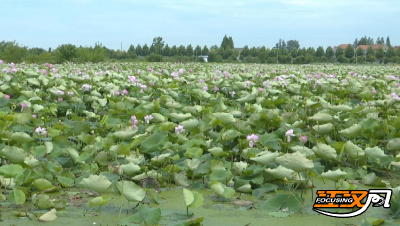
x=195 y=144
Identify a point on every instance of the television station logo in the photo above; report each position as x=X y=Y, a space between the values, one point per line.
x=350 y=199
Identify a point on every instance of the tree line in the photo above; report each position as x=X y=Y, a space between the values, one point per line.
x=284 y=52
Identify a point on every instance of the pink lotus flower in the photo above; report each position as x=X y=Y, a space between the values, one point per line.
x=147 y=118
x=261 y=89
x=303 y=139
x=34 y=115
x=252 y=139
x=179 y=129
x=86 y=87
x=289 y=134
x=6 y=96
x=23 y=105
x=41 y=131
x=134 y=121
x=117 y=93
x=1 y=62
x=152 y=84
x=205 y=88
x=60 y=99
x=143 y=87
x=124 y=92
x=216 y=88
x=190 y=70
x=374 y=91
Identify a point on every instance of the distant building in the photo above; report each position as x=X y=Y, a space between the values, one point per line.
x=205 y=58
x=395 y=48
x=374 y=47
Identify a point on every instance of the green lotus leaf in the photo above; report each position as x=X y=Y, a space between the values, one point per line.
x=17 y=197
x=42 y=184
x=341 y=108
x=334 y=175
x=375 y=153
x=125 y=134
x=66 y=182
x=192 y=164
x=193 y=152
x=321 y=117
x=145 y=216
x=291 y=202
x=295 y=161
x=304 y=150
x=130 y=169
x=154 y=142
x=161 y=159
x=181 y=117
x=353 y=150
x=14 y=154
x=217 y=151
x=395 y=164
x=10 y=171
x=158 y=117
x=31 y=161
x=393 y=144
x=351 y=132
x=100 y=200
x=190 y=124
x=230 y=135
x=281 y=172
x=42 y=201
x=181 y=179
x=98 y=183
x=372 y=180
x=323 y=129
x=131 y=191
x=49 y=216
x=222 y=190
x=325 y=152
x=265 y=157
x=226 y=118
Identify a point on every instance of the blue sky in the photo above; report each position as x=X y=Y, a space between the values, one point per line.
x=49 y=23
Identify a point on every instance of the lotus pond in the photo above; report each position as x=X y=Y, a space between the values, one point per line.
x=195 y=144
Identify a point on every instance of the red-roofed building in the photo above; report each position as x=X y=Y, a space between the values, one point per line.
x=374 y=47
x=343 y=46
x=395 y=48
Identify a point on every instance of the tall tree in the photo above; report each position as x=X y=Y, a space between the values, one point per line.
x=329 y=52
x=388 y=42
x=214 y=47
x=379 y=54
x=197 y=50
x=205 y=51
x=320 y=52
x=349 y=51
x=378 y=41
x=182 y=50
x=174 y=51
x=293 y=53
x=370 y=51
x=339 y=52
x=355 y=43
x=189 y=50
x=360 y=52
x=157 y=44
x=390 y=52
x=139 y=50
x=253 y=51
x=245 y=51
x=230 y=43
x=132 y=51
x=212 y=55
x=145 y=50
x=166 y=50
x=311 y=51
x=292 y=44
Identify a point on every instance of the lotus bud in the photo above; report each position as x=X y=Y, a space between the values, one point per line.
x=119 y=171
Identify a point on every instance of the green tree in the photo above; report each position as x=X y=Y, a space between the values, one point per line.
x=132 y=51
x=320 y=52
x=139 y=50
x=398 y=51
x=292 y=44
x=230 y=43
x=66 y=52
x=182 y=50
x=339 y=52
x=166 y=50
x=360 y=52
x=157 y=44
x=371 y=58
x=253 y=51
x=227 y=42
x=197 y=50
x=212 y=56
x=379 y=54
x=189 y=50
x=302 y=52
x=227 y=53
x=293 y=53
x=205 y=51
x=355 y=43
x=370 y=52
x=145 y=50
x=349 y=51
x=388 y=41
x=174 y=51
x=245 y=52
x=390 y=52
x=329 y=52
